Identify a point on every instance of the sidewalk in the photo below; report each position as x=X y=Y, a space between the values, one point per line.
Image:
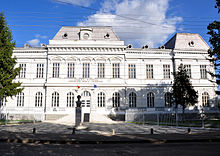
x=50 y=138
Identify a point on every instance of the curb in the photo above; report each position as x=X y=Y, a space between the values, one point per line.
x=150 y=141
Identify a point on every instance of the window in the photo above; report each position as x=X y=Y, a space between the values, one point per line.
x=56 y=70
x=150 y=100
x=40 y=71
x=20 y=99
x=167 y=99
x=86 y=98
x=70 y=70
x=116 y=99
x=132 y=99
x=101 y=70
x=132 y=71
x=22 y=73
x=38 y=99
x=205 y=99
x=116 y=70
x=188 y=70
x=2 y=102
x=203 y=72
x=166 y=71
x=55 y=99
x=86 y=68
x=70 y=99
x=149 y=71
x=101 y=99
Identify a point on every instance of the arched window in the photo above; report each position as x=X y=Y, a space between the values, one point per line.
x=132 y=99
x=167 y=99
x=205 y=99
x=86 y=98
x=38 y=99
x=86 y=93
x=20 y=99
x=70 y=99
x=150 y=99
x=116 y=100
x=55 y=99
x=101 y=99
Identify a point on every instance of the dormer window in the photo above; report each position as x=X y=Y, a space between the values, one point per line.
x=65 y=35
x=191 y=44
x=86 y=36
x=86 y=33
x=107 y=36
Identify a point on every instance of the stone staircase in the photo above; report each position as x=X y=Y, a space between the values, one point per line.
x=65 y=120
x=69 y=119
x=101 y=118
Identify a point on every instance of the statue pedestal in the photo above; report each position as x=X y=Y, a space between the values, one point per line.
x=78 y=116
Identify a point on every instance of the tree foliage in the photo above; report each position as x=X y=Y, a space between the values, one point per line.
x=213 y=31
x=183 y=92
x=8 y=72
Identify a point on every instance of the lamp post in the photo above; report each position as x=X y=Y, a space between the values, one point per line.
x=202 y=116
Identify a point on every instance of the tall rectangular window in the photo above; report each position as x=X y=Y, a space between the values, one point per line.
x=22 y=73
x=116 y=70
x=203 y=72
x=188 y=70
x=70 y=70
x=166 y=71
x=40 y=71
x=149 y=71
x=132 y=71
x=86 y=70
x=2 y=102
x=56 y=70
x=101 y=70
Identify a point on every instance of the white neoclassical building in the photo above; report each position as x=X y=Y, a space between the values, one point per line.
x=112 y=78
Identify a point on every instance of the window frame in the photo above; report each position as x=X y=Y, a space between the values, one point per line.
x=150 y=100
x=56 y=70
x=149 y=71
x=132 y=100
x=101 y=99
x=55 y=99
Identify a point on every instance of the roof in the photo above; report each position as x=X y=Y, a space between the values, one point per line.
x=86 y=33
x=187 y=41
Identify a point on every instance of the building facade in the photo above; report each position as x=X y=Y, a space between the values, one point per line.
x=110 y=77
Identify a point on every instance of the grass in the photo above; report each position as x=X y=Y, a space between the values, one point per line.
x=3 y=122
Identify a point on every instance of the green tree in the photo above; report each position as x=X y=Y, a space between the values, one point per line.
x=213 y=31
x=183 y=91
x=8 y=72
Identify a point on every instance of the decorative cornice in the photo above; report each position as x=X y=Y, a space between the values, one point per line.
x=85 y=49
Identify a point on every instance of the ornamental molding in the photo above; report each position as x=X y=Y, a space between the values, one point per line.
x=85 y=49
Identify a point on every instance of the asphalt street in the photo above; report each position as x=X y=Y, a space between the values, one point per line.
x=171 y=149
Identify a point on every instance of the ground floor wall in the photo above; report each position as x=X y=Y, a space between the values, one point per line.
x=46 y=110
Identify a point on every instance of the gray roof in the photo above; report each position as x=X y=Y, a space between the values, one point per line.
x=187 y=41
x=95 y=33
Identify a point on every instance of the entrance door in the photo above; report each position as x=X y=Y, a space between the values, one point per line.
x=86 y=101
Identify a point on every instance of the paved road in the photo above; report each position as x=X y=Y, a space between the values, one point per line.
x=97 y=128
x=172 y=149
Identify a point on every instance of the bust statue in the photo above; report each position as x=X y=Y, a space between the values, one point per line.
x=78 y=102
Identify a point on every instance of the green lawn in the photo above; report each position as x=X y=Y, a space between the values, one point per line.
x=3 y=122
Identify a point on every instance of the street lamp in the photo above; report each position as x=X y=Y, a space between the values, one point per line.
x=202 y=116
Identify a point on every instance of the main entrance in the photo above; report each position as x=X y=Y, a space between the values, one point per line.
x=86 y=101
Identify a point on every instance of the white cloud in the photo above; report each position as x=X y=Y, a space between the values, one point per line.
x=34 y=42
x=138 y=22
x=41 y=36
x=85 y=3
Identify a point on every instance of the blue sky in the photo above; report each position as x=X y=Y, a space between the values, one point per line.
x=138 y=22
